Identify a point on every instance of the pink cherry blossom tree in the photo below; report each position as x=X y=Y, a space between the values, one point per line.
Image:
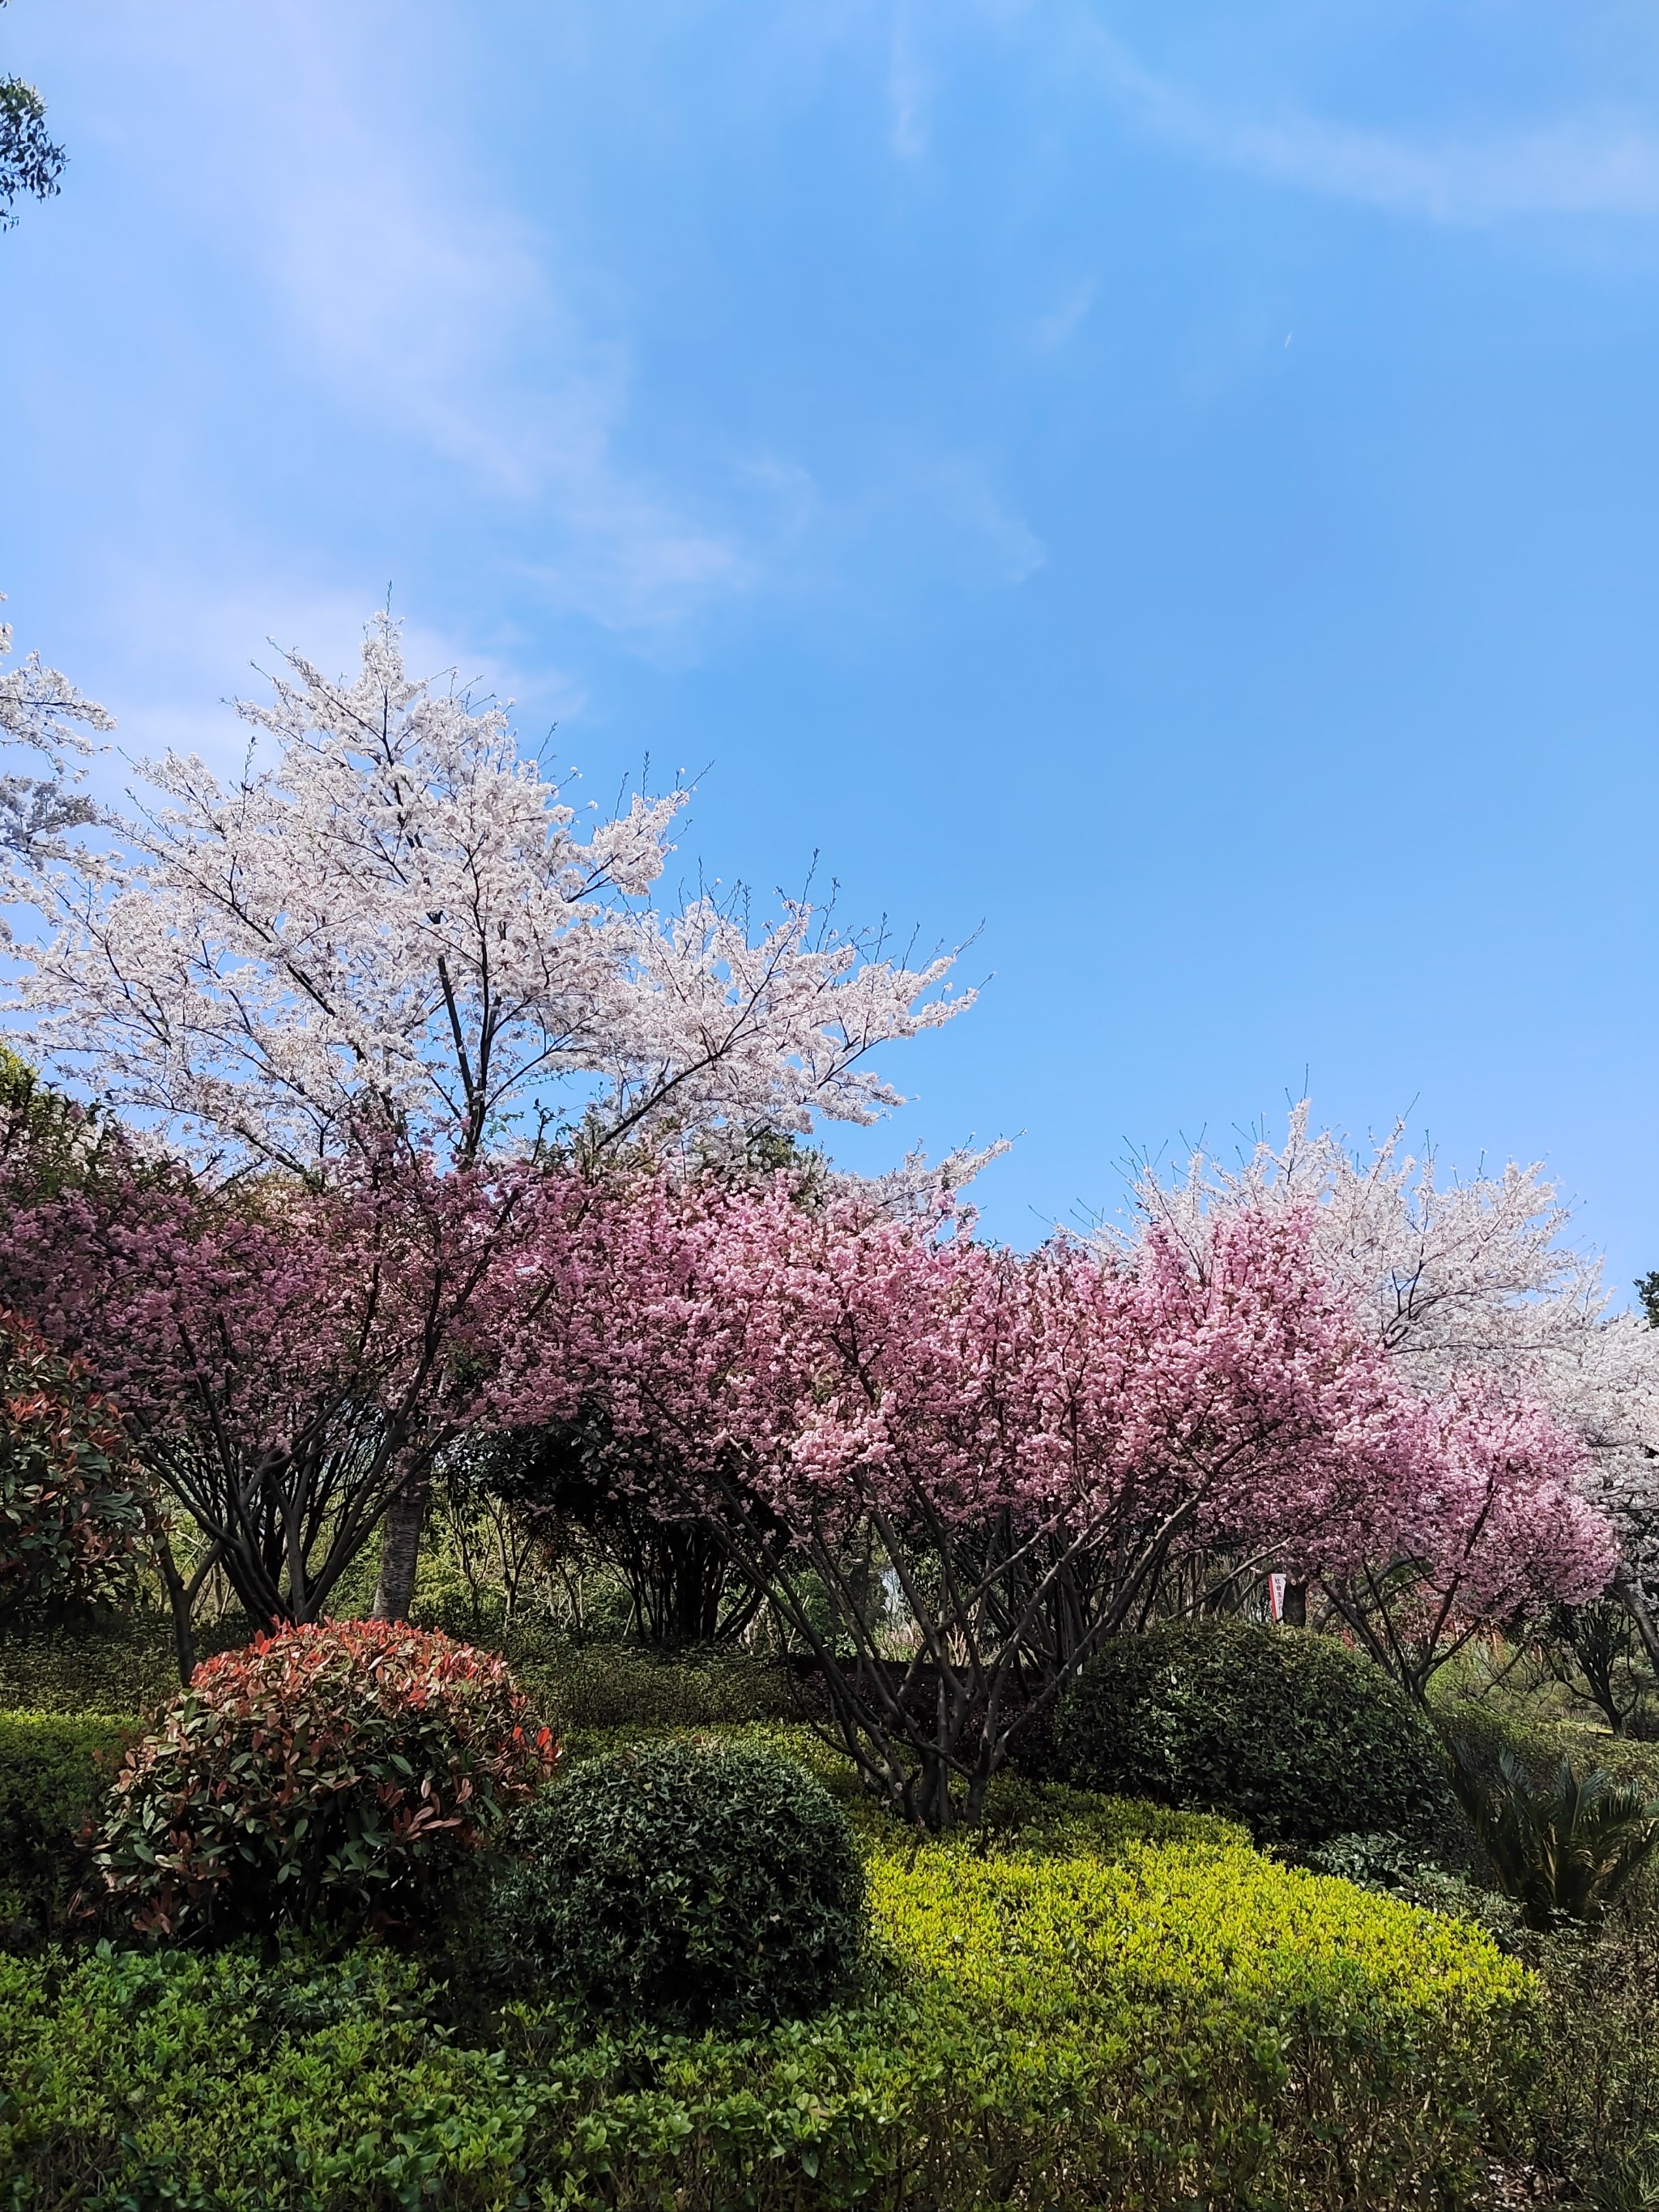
x=287 y=1359
x=987 y=1432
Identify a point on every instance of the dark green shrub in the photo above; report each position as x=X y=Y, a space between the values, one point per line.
x=1289 y=1731
x=332 y=1774
x=606 y=1686
x=53 y=1774
x=685 y=1885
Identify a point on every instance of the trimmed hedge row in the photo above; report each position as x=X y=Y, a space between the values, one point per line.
x=1188 y=2024
x=54 y=1770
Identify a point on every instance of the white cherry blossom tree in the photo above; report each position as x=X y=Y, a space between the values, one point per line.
x=1463 y=1276
x=40 y=709
x=400 y=924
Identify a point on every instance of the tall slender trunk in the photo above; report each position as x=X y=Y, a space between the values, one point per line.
x=180 y=1602
x=400 y=1551
x=1628 y=1592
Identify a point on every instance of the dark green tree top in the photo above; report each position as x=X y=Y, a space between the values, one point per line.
x=29 y=160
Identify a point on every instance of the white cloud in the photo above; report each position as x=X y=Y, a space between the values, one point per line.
x=343 y=184
x=1051 y=331
x=906 y=90
x=1590 y=163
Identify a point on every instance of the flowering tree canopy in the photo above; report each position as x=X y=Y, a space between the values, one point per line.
x=40 y=708
x=399 y=924
x=71 y=1501
x=1469 y=1284
x=286 y=1359
x=1024 y=1444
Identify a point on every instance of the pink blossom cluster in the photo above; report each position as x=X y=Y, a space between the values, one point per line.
x=829 y=1364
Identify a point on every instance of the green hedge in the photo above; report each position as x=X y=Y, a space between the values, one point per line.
x=1291 y=1732
x=625 y=1686
x=120 y=1666
x=1184 y=2025
x=53 y=1772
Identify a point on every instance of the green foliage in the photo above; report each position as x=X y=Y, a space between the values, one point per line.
x=610 y=1686
x=1291 y=1732
x=1394 y=1868
x=53 y=1774
x=1594 y=2111
x=29 y=161
x=1562 y=1846
x=1540 y=1739
x=121 y=1665
x=686 y=1884
x=71 y=1500
x=331 y=1774
x=1187 y=2026
x=143 y=2080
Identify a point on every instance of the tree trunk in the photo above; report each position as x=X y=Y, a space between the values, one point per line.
x=400 y=1551
x=181 y=1603
x=1628 y=1593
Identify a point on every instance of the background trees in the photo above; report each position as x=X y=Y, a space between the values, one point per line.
x=1471 y=1284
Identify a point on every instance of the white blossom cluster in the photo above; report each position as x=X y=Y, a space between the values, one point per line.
x=401 y=920
x=40 y=708
x=1467 y=1275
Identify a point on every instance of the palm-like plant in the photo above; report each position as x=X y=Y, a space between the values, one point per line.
x=1562 y=1845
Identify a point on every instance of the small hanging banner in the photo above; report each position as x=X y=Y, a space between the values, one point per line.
x=1276 y=1596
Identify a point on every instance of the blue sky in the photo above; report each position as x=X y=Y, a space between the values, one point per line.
x=1173 y=491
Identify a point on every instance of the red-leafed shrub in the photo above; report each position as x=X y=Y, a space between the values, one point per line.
x=335 y=1775
x=71 y=1506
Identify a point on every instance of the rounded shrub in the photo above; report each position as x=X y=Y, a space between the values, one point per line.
x=336 y=1775
x=1290 y=1731
x=687 y=1886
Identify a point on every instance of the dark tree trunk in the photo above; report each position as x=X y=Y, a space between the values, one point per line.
x=181 y=1603
x=1628 y=1592
x=400 y=1551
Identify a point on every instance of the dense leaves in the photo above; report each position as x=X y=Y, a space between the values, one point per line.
x=1562 y=1844
x=71 y=1501
x=685 y=1886
x=1163 y=2028
x=54 y=1769
x=1291 y=1732
x=333 y=1774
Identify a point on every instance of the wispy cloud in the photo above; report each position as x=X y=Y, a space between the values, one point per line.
x=437 y=315
x=907 y=90
x=1586 y=163
x=1065 y=318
